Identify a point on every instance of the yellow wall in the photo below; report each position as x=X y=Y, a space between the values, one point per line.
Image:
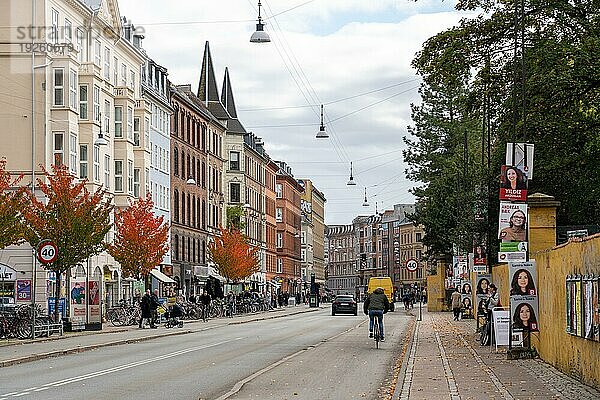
x=571 y=354
x=435 y=290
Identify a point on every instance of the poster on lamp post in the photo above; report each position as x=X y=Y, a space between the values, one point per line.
x=521 y=155
x=524 y=313
x=512 y=232
x=523 y=278
x=513 y=184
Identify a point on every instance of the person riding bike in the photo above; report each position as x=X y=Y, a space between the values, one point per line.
x=375 y=305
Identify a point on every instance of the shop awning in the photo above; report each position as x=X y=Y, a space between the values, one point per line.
x=161 y=277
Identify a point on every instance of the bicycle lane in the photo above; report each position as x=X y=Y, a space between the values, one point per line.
x=15 y=352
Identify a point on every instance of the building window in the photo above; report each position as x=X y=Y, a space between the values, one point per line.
x=83 y=161
x=175 y=162
x=73 y=89
x=115 y=70
x=119 y=176
x=303 y=238
x=130 y=176
x=234 y=192
x=123 y=75
x=136 y=131
x=279 y=190
x=303 y=255
x=136 y=182
x=279 y=214
x=73 y=153
x=234 y=160
x=107 y=64
x=279 y=266
x=279 y=240
x=97 y=55
x=118 y=121
x=59 y=87
x=54 y=33
x=58 y=148
x=83 y=102
x=107 y=171
x=96 y=103
x=132 y=80
x=147 y=133
x=418 y=237
x=80 y=46
x=96 y=163
x=106 y=126
x=129 y=123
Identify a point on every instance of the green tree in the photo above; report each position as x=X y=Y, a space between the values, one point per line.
x=72 y=217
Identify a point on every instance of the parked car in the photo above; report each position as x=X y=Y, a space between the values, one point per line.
x=344 y=304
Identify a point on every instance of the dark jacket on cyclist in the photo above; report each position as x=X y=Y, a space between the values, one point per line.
x=376 y=301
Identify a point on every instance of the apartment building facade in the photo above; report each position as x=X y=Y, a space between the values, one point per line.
x=342 y=277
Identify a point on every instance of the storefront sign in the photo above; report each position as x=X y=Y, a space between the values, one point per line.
x=7 y=273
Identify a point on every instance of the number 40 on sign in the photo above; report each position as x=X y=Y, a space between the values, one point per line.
x=47 y=252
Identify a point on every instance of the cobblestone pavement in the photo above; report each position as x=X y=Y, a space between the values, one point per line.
x=445 y=361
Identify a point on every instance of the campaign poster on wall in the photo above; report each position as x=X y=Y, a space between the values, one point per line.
x=524 y=313
x=523 y=278
x=94 y=302
x=577 y=301
x=467 y=302
x=596 y=309
x=521 y=155
x=588 y=312
x=461 y=267
x=513 y=183
x=77 y=307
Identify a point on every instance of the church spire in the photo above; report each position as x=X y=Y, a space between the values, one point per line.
x=227 y=95
x=207 y=89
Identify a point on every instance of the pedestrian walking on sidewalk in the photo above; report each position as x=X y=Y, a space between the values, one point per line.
x=456 y=304
x=205 y=301
x=154 y=303
x=146 y=313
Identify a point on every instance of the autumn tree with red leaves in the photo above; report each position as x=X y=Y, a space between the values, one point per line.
x=141 y=240
x=12 y=202
x=72 y=217
x=234 y=258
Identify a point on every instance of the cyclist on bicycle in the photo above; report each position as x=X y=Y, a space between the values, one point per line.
x=375 y=305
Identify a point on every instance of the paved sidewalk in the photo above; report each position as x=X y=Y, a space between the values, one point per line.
x=445 y=361
x=20 y=351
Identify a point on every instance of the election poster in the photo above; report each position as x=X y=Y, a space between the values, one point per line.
x=523 y=278
x=513 y=184
x=521 y=155
x=524 y=313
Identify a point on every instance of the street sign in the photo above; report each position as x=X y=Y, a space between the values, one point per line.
x=47 y=252
x=412 y=264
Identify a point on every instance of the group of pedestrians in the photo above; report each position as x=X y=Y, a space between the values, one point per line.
x=149 y=305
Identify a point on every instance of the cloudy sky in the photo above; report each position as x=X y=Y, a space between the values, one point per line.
x=352 y=56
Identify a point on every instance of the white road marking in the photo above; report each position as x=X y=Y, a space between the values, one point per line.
x=119 y=368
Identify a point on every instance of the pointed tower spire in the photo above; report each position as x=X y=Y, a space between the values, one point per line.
x=207 y=89
x=227 y=95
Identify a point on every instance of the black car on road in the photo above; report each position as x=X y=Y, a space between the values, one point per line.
x=344 y=304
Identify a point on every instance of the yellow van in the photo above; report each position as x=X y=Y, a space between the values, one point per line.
x=384 y=282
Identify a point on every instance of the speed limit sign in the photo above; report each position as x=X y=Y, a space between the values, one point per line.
x=47 y=252
x=412 y=264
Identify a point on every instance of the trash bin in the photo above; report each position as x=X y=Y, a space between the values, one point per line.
x=313 y=301
x=292 y=301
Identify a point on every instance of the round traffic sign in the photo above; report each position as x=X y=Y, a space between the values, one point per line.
x=47 y=252
x=412 y=264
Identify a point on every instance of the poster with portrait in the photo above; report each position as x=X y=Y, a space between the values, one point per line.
x=479 y=255
x=94 y=302
x=77 y=306
x=524 y=313
x=467 y=303
x=513 y=183
x=521 y=155
x=481 y=287
x=466 y=288
x=512 y=225
x=460 y=267
x=523 y=281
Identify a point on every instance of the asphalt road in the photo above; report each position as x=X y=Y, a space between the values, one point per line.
x=304 y=356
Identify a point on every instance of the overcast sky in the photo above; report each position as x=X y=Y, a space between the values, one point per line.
x=353 y=56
